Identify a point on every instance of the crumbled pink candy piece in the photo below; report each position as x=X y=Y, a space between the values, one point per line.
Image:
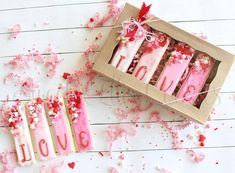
x=8 y=161
x=118 y=131
x=51 y=64
x=196 y=157
x=177 y=143
x=113 y=170
x=163 y=170
x=14 y=31
x=28 y=85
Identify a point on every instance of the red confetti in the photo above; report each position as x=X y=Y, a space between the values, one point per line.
x=202 y=139
x=66 y=75
x=39 y=100
x=71 y=165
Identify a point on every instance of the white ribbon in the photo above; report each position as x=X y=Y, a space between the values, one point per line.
x=130 y=24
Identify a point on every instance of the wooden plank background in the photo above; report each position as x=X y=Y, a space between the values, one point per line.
x=150 y=147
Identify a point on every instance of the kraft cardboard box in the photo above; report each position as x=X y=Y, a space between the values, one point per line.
x=223 y=58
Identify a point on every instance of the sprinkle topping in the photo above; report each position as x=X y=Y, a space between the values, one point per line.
x=35 y=108
x=14 y=118
x=159 y=41
x=55 y=106
x=182 y=52
x=74 y=104
x=201 y=63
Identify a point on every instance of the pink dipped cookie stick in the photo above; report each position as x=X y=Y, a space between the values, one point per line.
x=20 y=132
x=127 y=49
x=175 y=68
x=61 y=131
x=196 y=78
x=39 y=129
x=152 y=54
x=79 y=121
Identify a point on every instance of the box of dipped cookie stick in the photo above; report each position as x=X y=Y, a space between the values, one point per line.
x=165 y=63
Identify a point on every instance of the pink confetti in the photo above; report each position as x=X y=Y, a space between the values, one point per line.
x=11 y=77
x=200 y=35
x=56 y=168
x=163 y=170
x=8 y=160
x=114 y=9
x=76 y=78
x=51 y=64
x=177 y=143
x=28 y=85
x=14 y=31
x=196 y=157
x=90 y=50
x=118 y=131
x=113 y=170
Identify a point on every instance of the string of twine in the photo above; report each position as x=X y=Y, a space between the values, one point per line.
x=180 y=99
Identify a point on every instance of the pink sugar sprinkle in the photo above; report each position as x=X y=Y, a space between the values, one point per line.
x=196 y=157
x=163 y=170
x=51 y=64
x=8 y=160
x=118 y=131
x=28 y=85
x=177 y=143
x=113 y=170
x=14 y=31
x=113 y=12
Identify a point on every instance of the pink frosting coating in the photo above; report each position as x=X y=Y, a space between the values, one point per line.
x=20 y=132
x=196 y=78
x=60 y=125
x=80 y=125
x=151 y=57
x=40 y=129
x=125 y=54
x=175 y=68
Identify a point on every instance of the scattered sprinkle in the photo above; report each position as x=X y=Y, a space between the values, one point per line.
x=14 y=31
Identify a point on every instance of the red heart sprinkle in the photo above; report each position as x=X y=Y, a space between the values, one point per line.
x=39 y=100
x=66 y=75
x=71 y=165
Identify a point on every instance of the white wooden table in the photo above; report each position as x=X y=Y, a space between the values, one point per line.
x=60 y=24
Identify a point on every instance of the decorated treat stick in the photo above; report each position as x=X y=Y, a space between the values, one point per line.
x=20 y=132
x=175 y=68
x=196 y=78
x=152 y=54
x=39 y=129
x=126 y=52
x=133 y=33
x=61 y=131
x=78 y=118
